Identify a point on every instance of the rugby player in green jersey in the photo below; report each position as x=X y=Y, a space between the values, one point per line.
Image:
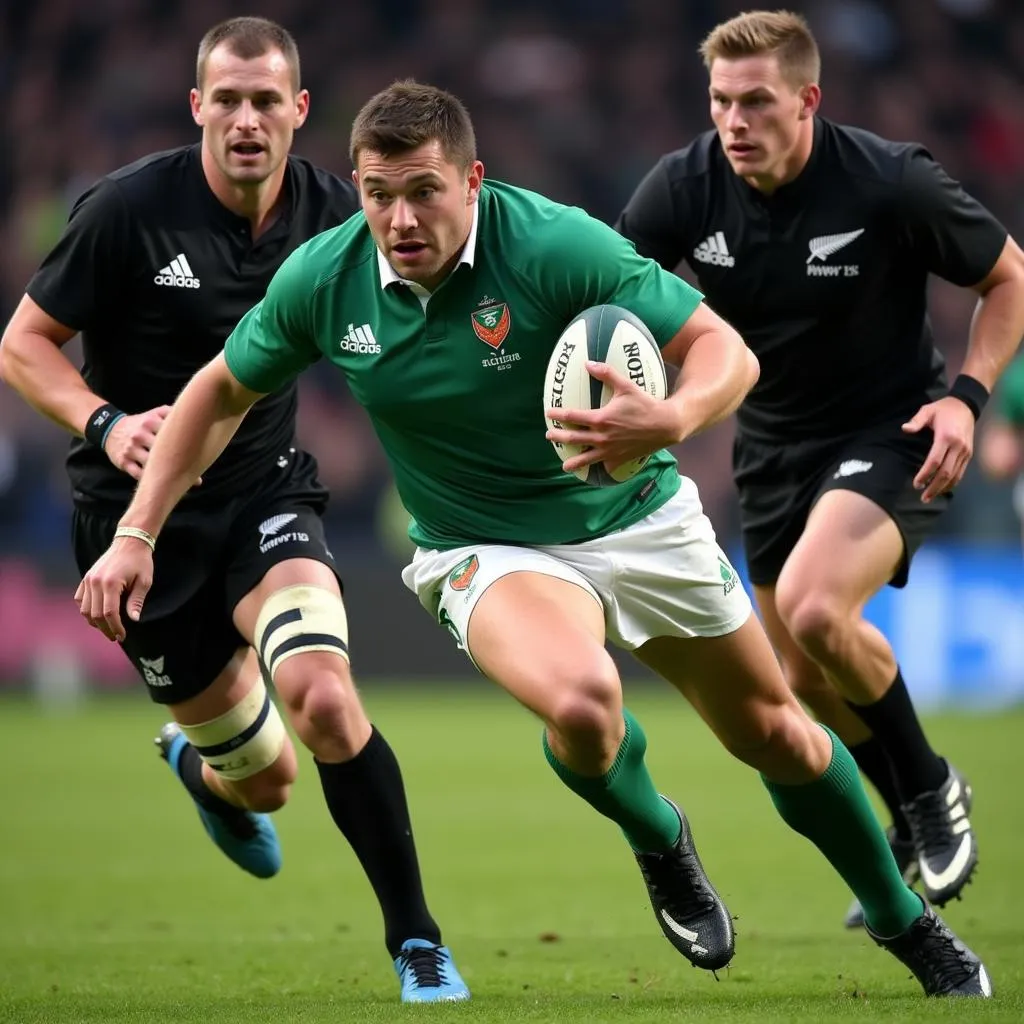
x=441 y=306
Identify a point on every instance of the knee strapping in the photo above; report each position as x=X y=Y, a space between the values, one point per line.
x=242 y=741
x=300 y=619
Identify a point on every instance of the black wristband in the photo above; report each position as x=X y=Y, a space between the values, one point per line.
x=99 y=423
x=971 y=392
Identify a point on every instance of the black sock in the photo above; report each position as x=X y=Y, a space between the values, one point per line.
x=366 y=798
x=875 y=765
x=915 y=766
x=190 y=768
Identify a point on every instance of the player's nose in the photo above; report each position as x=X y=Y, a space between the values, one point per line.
x=403 y=218
x=247 y=117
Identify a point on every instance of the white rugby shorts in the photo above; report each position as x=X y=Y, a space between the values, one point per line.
x=663 y=576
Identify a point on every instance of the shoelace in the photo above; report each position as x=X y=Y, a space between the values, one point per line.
x=676 y=881
x=941 y=957
x=425 y=962
x=929 y=822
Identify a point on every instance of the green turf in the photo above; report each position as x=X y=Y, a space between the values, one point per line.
x=115 y=907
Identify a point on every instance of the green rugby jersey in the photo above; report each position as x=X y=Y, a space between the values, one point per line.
x=453 y=380
x=1011 y=393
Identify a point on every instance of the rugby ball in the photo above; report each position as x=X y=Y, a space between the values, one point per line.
x=606 y=334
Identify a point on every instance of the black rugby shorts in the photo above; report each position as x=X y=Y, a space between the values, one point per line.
x=779 y=484
x=205 y=563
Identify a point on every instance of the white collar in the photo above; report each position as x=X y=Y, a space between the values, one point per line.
x=388 y=274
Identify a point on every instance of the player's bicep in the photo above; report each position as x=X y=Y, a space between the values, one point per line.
x=954 y=236
x=233 y=397
x=30 y=325
x=703 y=321
x=1008 y=267
x=81 y=279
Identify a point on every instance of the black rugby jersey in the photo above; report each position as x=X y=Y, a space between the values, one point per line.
x=155 y=272
x=826 y=279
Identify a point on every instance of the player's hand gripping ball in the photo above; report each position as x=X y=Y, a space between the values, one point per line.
x=605 y=334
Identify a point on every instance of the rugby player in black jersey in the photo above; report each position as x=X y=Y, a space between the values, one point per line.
x=159 y=261
x=816 y=241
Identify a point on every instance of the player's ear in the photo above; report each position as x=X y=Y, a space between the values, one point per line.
x=301 y=107
x=195 y=101
x=475 y=180
x=810 y=100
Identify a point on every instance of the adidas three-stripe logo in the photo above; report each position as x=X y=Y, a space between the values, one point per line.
x=177 y=274
x=359 y=339
x=714 y=250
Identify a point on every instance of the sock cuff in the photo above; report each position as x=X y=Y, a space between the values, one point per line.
x=842 y=771
x=839 y=776
x=374 y=747
x=633 y=742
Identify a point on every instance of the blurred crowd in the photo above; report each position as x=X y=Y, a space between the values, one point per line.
x=575 y=98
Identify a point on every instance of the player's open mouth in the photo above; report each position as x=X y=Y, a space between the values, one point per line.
x=742 y=148
x=408 y=250
x=247 y=148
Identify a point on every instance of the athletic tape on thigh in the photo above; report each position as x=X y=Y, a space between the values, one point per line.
x=299 y=619
x=242 y=741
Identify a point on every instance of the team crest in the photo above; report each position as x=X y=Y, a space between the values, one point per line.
x=491 y=325
x=462 y=575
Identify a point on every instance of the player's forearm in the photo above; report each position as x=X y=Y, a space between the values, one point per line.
x=40 y=372
x=717 y=374
x=202 y=421
x=996 y=331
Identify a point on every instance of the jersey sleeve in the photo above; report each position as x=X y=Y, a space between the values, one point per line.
x=653 y=219
x=79 y=281
x=1011 y=393
x=586 y=264
x=276 y=340
x=957 y=238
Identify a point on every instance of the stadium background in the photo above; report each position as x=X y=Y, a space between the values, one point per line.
x=575 y=98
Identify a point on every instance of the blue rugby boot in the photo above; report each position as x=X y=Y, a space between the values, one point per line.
x=428 y=974
x=248 y=839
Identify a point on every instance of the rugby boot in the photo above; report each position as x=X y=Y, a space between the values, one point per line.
x=689 y=911
x=247 y=838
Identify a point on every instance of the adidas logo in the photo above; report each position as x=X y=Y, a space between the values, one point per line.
x=714 y=250
x=360 y=339
x=177 y=274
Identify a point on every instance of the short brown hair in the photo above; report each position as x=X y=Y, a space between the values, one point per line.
x=408 y=114
x=248 y=38
x=782 y=33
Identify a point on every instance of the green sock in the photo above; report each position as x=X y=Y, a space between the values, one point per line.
x=625 y=793
x=834 y=813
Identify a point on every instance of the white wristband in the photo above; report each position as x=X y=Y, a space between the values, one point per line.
x=133 y=531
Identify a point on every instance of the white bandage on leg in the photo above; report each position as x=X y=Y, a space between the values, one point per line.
x=299 y=619
x=242 y=741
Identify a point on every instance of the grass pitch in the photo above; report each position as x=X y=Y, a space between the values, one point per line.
x=114 y=907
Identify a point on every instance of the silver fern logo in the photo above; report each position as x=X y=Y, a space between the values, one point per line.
x=824 y=246
x=271 y=526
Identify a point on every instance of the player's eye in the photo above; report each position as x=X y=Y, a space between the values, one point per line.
x=378 y=197
x=427 y=192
